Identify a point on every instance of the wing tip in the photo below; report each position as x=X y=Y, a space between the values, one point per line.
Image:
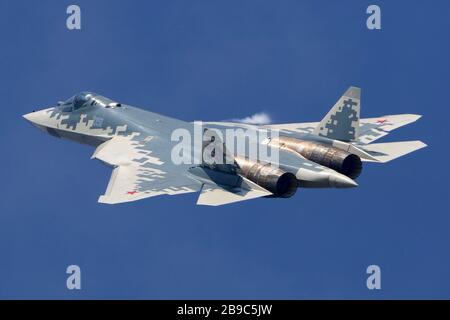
x=415 y=117
x=104 y=200
x=420 y=144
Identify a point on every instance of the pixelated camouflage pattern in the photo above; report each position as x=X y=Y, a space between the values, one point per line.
x=137 y=144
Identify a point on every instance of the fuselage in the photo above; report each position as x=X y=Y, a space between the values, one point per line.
x=92 y=119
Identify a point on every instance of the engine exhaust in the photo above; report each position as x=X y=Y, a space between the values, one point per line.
x=341 y=161
x=282 y=184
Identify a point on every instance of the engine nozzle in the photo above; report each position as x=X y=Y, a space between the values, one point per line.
x=341 y=161
x=282 y=184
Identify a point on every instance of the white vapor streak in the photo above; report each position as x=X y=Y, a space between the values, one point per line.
x=257 y=118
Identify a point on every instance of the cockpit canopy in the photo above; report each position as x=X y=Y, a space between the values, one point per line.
x=85 y=99
x=81 y=99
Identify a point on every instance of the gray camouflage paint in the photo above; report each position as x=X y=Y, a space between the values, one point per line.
x=140 y=152
x=342 y=122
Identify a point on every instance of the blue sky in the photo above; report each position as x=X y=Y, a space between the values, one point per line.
x=214 y=60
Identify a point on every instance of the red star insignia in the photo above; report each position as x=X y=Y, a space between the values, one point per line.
x=381 y=121
x=132 y=192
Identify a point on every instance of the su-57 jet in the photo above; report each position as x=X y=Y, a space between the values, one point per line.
x=153 y=155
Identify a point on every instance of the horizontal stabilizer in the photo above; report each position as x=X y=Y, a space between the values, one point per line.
x=385 y=152
x=372 y=129
x=216 y=195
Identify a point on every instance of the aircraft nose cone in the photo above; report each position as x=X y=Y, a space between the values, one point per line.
x=30 y=116
x=40 y=118
x=338 y=180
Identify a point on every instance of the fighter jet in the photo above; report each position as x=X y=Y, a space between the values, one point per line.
x=149 y=159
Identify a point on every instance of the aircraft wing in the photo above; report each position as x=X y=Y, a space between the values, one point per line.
x=295 y=129
x=142 y=169
x=343 y=122
x=370 y=129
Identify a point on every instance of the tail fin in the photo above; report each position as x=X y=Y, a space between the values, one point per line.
x=342 y=121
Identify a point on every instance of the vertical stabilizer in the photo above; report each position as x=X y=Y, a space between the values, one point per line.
x=342 y=121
